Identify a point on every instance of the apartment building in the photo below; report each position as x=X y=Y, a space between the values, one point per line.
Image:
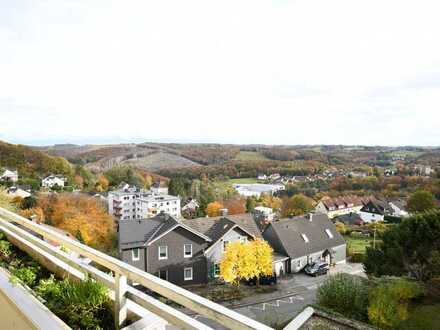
x=130 y=202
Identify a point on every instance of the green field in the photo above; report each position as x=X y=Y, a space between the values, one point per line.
x=244 y=180
x=250 y=155
x=358 y=244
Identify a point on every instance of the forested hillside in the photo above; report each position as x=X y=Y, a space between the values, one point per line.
x=32 y=163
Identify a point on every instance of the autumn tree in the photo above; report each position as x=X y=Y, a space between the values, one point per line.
x=421 y=201
x=101 y=183
x=340 y=227
x=213 y=209
x=271 y=201
x=235 y=206
x=81 y=213
x=244 y=261
x=296 y=205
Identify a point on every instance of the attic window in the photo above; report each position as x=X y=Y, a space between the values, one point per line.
x=329 y=233
x=305 y=238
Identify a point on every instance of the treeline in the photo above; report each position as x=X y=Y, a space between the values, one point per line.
x=246 y=169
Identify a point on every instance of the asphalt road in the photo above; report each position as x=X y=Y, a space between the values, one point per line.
x=294 y=295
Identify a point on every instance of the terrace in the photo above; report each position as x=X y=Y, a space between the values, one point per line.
x=133 y=308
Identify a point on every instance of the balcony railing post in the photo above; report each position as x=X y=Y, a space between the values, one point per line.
x=120 y=300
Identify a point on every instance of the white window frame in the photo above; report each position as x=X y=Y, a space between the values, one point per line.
x=224 y=243
x=244 y=239
x=216 y=267
x=184 y=274
x=298 y=263
x=184 y=250
x=329 y=233
x=138 y=254
x=166 y=252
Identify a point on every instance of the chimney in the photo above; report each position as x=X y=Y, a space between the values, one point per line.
x=224 y=212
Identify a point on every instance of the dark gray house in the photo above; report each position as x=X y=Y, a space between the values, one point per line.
x=305 y=239
x=166 y=248
x=222 y=231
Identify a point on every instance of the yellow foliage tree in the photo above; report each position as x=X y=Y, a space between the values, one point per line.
x=213 y=209
x=245 y=261
x=271 y=201
x=102 y=181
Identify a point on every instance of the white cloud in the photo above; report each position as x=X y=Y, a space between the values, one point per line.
x=287 y=72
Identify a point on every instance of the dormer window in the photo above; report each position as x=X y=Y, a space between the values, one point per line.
x=329 y=233
x=305 y=238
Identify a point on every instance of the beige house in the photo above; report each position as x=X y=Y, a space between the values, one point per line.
x=334 y=207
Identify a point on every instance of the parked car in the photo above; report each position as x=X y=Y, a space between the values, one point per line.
x=317 y=268
x=264 y=280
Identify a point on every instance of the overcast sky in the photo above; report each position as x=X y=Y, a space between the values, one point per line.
x=280 y=72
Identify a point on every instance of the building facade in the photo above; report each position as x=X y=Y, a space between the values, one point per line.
x=130 y=203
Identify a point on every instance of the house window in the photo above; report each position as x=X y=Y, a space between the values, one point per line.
x=163 y=252
x=187 y=250
x=216 y=270
x=188 y=274
x=244 y=239
x=305 y=238
x=225 y=243
x=163 y=274
x=135 y=254
x=298 y=263
x=329 y=233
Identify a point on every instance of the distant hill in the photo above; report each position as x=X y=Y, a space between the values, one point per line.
x=32 y=163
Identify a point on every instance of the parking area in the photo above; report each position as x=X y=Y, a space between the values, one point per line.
x=295 y=291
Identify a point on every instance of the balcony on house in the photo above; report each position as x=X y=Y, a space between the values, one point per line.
x=133 y=308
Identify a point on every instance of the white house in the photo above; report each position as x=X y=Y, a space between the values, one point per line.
x=9 y=175
x=265 y=212
x=399 y=208
x=52 y=180
x=17 y=192
x=192 y=205
x=334 y=207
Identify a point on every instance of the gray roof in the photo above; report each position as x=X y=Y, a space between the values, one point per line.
x=401 y=204
x=216 y=227
x=288 y=233
x=137 y=233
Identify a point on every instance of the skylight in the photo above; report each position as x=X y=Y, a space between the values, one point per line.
x=329 y=233
x=305 y=238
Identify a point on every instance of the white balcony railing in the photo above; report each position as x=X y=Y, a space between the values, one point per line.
x=126 y=298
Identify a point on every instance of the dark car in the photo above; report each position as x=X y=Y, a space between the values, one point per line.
x=264 y=280
x=317 y=268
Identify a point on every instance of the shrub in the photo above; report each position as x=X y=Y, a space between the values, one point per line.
x=82 y=305
x=5 y=248
x=345 y=294
x=27 y=275
x=389 y=302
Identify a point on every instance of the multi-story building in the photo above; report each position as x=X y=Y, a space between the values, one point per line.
x=131 y=203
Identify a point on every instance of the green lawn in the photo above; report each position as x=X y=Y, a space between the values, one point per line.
x=424 y=317
x=244 y=180
x=358 y=244
x=250 y=155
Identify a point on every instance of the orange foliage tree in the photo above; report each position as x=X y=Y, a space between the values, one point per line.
x=101 y=183
x=235 y=206
x=79 y=213
x=213 y=209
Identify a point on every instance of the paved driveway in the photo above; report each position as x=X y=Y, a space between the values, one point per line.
x=294 y=293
